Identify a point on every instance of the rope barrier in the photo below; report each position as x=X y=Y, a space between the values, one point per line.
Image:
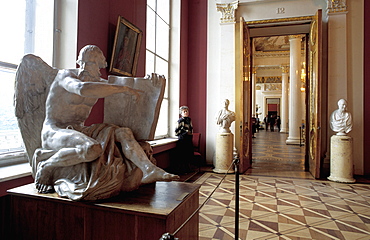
x=168 y=236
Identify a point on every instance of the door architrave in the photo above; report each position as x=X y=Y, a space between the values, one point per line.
x=288 y=23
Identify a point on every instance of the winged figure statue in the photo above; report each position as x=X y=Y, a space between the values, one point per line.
x=79 y=162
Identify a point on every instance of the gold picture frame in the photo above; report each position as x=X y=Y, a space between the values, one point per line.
x=126 y=48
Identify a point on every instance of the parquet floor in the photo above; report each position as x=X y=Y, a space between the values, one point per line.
x=284 y=208
x=278 y=200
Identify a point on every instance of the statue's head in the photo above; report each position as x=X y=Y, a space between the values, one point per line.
x=92 y=54
x=342 y=105
x=226 y=102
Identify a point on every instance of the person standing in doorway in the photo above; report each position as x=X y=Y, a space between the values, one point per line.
x=254 y=126
x=266 y=121
x=272 y=123
x=278 y=123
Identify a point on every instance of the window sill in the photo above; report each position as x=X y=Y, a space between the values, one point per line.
x=162 y=145
x=16 y=171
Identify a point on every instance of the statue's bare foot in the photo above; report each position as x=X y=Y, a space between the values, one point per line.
x=43 y=179
x=158 y=174
x=133 y=181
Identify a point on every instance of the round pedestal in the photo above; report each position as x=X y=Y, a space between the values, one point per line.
x=341 y=161
x=224 y=153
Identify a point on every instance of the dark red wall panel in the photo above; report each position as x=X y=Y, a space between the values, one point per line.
x=193 y=81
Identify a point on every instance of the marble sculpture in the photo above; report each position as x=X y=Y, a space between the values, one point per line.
x=340 y=119
x=225 y=117
x=79 y=162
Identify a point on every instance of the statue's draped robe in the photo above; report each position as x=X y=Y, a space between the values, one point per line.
x=99 y=179
x=341 y=121
x=224 y=118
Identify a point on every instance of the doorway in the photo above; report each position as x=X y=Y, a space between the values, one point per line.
x=271 y=60
x=315 y=123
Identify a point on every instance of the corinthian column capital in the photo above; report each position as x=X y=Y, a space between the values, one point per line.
x=228 y=11
x=254 y=70
x=335 y=6
x=285 y=68
x=296 y=37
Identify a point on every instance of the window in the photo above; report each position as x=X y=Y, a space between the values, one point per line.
x=27 y=27
x=157 y=53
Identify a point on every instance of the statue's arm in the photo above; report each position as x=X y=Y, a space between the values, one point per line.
x=95 y=89
x=219 y=118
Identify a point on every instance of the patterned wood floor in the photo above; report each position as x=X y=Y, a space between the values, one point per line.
x=270 y=153
x=284 y=208
x=278 y=200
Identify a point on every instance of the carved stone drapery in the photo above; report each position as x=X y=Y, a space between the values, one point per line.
x=228 y=11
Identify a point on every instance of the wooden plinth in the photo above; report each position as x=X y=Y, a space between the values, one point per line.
x=144 y=214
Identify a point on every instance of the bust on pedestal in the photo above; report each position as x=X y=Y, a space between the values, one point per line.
x=341 y=160
x=224 y=140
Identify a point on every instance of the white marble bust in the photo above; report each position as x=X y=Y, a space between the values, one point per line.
x=340 y=119
x=225 y=117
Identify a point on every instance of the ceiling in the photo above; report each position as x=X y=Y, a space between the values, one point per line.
x=273 y=35
x=273 y=44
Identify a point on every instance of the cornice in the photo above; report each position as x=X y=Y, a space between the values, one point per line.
x=278 y=20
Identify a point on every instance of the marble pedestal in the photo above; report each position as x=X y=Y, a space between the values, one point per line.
x=224 y=153
x=341 y=160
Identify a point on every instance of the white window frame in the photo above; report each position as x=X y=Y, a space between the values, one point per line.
x=155 y=55
x=34 y=42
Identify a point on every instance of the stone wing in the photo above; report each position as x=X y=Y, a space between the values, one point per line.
x=32 y=82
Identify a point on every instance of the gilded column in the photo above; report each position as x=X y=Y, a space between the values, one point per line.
x=284 y=99
x=295 y=110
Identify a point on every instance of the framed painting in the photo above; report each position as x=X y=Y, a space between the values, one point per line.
x=126 y=48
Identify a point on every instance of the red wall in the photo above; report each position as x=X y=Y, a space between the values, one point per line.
x=193 y=72
x=272 y=107
x=366 y=87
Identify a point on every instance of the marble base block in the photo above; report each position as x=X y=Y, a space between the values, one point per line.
x=341 y=160
x=293 y=141
x=224 y=153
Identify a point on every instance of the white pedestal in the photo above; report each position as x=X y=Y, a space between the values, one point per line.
x=341 y=160
x=224 y=153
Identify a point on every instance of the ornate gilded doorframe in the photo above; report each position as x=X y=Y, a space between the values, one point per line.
x=314 y=92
